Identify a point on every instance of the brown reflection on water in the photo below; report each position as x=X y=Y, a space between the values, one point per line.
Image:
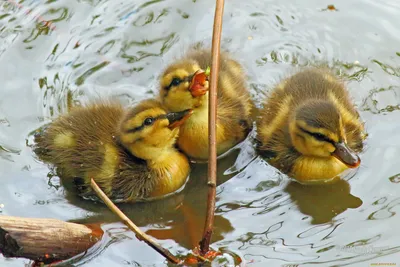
x=323 y=202
x=188 y=230
x=175 y=218
x=179 y=217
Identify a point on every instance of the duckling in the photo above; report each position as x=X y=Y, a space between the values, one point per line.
x=184 y=85
x=129 y=153
x=309 y=127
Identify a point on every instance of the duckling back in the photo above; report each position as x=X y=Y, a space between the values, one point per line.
x=85 y=144
x=325 y=107
x=306 y=85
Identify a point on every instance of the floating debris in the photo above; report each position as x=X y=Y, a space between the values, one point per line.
x=395 y=178
x=330 y=8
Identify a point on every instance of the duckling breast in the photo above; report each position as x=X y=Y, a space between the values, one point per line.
x=312 y=169
x=171 y=175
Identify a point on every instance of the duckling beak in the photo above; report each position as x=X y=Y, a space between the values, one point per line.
x=199 y=84
x=346 y=155
x=176 y=119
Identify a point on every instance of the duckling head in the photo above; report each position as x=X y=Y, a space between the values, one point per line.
x=184 y=85
x=149 y=132
x=316 y=130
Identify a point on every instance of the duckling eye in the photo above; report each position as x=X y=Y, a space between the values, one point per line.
x=175 y=82
x=148 y=121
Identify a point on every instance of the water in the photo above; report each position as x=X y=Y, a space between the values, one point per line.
x=118 y=48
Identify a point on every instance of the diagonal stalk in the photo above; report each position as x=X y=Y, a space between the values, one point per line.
x=139 y=234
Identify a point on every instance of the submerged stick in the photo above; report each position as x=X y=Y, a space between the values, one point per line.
x=212 y=119
x=45 y=240
x=139 y=234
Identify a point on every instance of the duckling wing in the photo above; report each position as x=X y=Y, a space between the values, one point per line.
x=83 y=143
x=134 y=181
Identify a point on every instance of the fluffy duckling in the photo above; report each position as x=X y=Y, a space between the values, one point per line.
x=309 y=127
x=129 y=153
x=184 y=85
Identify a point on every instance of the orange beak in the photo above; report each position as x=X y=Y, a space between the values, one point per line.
x=346 y=155
x=199 y=84
x=176 y=119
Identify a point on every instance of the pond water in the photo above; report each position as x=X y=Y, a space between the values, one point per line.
x=118 y=48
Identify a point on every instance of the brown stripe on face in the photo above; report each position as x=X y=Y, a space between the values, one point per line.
x=145 y=123
x=318 y=136
x=177 y=81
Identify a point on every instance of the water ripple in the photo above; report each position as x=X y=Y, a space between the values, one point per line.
x=385 y=212
x=57 y=53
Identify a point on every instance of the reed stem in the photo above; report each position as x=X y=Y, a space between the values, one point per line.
x=212 y=119
x=139 y=234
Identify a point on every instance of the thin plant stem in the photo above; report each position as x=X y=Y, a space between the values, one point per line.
x=139 y=234
x=212 y=118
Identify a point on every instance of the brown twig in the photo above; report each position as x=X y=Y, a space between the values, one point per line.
x=45 y=240
x=212 y=118
x=139 y=234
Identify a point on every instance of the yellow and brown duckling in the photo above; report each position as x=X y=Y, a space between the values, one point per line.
x=309 y=127
x=130 y=153
x=184 y=85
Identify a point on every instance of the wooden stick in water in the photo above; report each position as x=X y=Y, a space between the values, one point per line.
x=139 y=234
x=212 y=119
x=45 y=240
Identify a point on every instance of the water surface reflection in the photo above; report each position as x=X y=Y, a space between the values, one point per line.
x=51 y=50
x=323 y=202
